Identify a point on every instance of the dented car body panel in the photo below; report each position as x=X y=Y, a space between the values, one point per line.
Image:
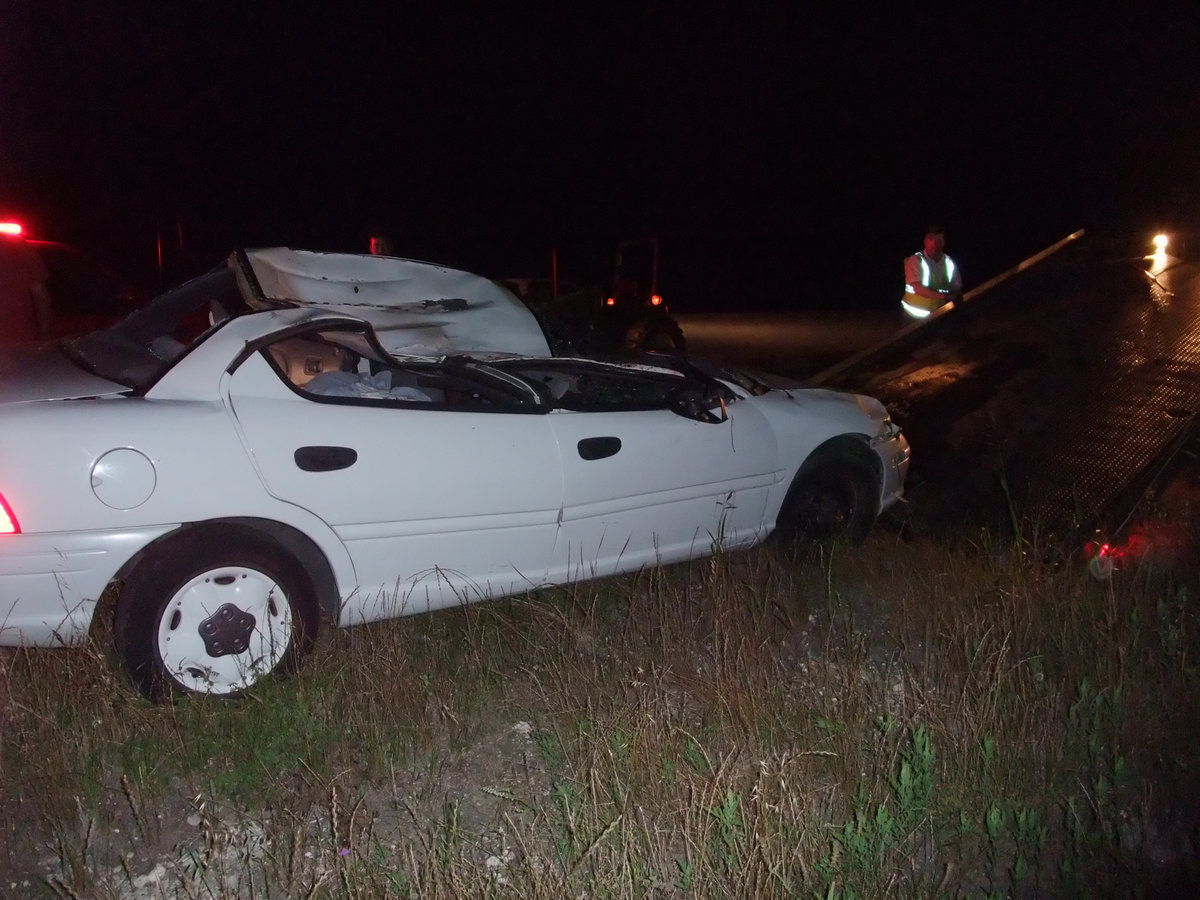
x=397 y=430
x=417 y=309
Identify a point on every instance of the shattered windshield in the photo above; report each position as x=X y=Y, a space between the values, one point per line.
x=139 y=349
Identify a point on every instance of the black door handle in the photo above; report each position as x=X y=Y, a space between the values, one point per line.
x=325 y=459
x=599 y=447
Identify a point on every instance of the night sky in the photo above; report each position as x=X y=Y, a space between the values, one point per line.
x=784 y=154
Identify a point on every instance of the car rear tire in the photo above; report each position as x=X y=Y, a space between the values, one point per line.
x=214 y=612
x=835 y=498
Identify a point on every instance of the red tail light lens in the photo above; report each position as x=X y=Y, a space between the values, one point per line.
x=8 y=522
x=10 y=228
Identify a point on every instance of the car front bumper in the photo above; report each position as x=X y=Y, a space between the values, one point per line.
x=50 y=583
x=894 y=453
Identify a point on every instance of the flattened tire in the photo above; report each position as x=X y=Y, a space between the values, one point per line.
x=214 y=613
x=835 y=499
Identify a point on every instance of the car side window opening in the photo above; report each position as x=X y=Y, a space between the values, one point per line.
x=588 y=387
x=140 y=348
x=346 y=367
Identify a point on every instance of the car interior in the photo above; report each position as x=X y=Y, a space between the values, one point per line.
x=348 y=366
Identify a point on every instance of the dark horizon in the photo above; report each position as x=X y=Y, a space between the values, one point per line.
x=770 y=153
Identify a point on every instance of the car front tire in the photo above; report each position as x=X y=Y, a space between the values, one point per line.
x=835 y=498
x=214 y=612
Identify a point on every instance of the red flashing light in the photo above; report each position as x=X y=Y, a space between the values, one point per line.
x=13 y=228
x=8 y=522
x=656 y=299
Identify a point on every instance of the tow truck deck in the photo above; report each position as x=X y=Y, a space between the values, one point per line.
x=1052 y=401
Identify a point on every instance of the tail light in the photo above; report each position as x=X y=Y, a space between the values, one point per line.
x=656 y=300
x=8 y=522
x=10 y=228
x=611 y=301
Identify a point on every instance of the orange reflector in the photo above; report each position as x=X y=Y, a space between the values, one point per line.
x=656 y=300
x=10 y=228
x=8 y=522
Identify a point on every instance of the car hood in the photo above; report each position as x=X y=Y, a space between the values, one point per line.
x=41 y=372
x=416 y=308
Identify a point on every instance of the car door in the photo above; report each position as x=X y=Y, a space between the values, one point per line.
x=436 y=505
x=642 y=486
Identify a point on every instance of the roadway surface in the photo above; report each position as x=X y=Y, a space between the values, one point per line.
x=1051 y=402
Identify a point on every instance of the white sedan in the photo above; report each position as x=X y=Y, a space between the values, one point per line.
x=299 y=437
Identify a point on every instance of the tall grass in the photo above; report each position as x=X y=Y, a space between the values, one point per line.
x=894 y=720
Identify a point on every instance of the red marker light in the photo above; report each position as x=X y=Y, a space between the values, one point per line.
x=1102 y=559
x=10 y=228
x=656 y=300
x=8 y=522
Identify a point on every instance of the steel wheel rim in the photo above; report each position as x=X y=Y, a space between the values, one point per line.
x=212 y=595
x=827 y=507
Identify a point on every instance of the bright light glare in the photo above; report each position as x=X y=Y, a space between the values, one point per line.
x=10 y=228
x=611 y=301
x=8 y=522
x=1158 y=259
x=655 y=300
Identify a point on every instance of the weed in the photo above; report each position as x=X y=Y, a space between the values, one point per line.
x=730 y=829
x=550 y=748
x=893 y=720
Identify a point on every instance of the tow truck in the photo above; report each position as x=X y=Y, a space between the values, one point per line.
x=631 y=317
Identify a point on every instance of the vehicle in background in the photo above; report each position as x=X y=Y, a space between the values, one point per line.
x=631 y=317
x=85 y=295
x=635 y=306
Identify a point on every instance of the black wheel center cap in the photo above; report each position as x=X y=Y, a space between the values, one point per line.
x=227 y=631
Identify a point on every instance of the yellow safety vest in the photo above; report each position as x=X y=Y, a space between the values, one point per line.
x=939 y=276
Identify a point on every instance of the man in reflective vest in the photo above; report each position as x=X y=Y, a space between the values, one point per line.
x=931 y=278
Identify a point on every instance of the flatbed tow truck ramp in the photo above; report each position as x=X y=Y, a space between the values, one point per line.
x=1050 y=402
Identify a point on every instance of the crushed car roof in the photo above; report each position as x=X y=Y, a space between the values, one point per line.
x=416 y=308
